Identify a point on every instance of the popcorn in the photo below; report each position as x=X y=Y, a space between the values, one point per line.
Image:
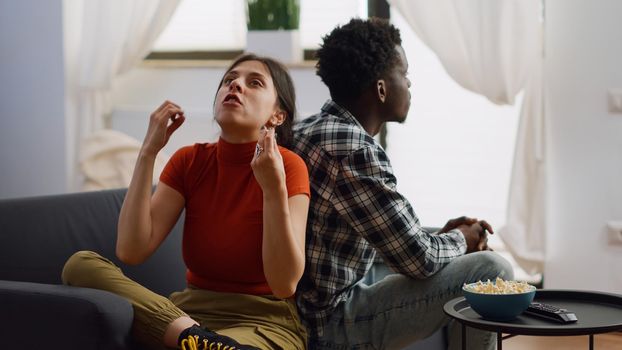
x=499 y=287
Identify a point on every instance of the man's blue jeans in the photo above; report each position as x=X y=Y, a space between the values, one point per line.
x=395 y=311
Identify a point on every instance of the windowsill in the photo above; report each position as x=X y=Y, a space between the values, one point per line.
x=211 y=59
x=181 y=63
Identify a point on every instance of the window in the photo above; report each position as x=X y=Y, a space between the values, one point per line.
x=453 y=155
x=214 y=25
x=204 y=25
x=319 y=17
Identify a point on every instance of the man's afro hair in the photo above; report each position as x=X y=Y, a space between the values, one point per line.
x=355 y=55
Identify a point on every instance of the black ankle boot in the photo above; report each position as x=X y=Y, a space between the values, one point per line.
x=197 y=338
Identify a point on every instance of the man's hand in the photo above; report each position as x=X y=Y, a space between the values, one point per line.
x=476 y=236
x=457 y=222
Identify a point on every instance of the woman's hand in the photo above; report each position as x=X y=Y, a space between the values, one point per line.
x=162 y=123
x=284 y=219
x=267 y=164
x=145 y=219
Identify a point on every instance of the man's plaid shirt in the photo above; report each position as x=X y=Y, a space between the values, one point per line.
x=355 y=212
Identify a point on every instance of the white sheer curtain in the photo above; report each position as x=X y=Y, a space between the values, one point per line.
x=103 y=39
x=494 y=48
x=524 y=230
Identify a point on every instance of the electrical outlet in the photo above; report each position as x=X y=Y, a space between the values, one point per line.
x=614 y=229
x=615 y=100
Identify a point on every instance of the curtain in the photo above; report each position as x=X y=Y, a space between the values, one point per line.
x=103 y=39
x=524 y=230
x=108 y=157
x=494 y=48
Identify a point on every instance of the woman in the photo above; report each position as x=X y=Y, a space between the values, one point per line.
x=246 y=201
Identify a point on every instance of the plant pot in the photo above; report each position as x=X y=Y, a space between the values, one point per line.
x=283 y=45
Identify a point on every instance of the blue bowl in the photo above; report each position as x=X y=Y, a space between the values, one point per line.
x=498 y=307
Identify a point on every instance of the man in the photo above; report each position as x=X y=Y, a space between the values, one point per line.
x=356 y=211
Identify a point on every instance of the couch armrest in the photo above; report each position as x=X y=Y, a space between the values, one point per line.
x=46 y=316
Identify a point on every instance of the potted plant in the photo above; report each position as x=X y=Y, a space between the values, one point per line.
x=273 y=29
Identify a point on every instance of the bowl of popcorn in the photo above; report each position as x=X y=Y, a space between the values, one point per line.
x=499 y=300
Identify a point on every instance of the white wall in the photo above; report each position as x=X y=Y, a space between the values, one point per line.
x=32 y=129
x=140 y=91
x=584 y=60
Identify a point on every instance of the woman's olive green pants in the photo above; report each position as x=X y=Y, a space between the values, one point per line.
x=262 y=321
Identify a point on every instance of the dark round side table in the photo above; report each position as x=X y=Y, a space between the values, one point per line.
x=597 y=313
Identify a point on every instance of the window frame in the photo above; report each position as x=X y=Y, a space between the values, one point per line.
x=377 y=8
x=209 y=55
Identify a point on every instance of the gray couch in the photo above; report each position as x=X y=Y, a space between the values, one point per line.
x=37 y=235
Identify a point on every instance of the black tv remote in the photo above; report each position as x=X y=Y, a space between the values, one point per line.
x=550 y=312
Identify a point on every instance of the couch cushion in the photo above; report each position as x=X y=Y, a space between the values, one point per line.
x=43 y=316
x=38 y=234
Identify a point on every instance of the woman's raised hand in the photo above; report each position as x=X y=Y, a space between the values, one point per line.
x=267 y=164
x=162 y=124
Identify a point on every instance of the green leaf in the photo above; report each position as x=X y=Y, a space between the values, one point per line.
x=273 y=14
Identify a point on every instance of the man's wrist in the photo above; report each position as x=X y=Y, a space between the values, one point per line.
x=459 y=238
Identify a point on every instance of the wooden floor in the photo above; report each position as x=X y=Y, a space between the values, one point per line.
x=609 y=341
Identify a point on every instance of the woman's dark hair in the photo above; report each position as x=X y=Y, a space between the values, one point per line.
x=286 y=94
x=354 y=56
